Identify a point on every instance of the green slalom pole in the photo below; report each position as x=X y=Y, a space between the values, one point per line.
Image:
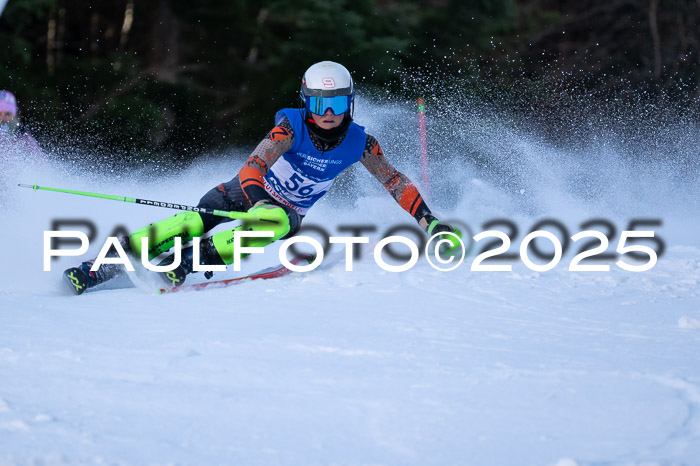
x=245 y=216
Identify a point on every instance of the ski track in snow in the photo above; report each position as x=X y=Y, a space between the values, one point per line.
x=336 y=367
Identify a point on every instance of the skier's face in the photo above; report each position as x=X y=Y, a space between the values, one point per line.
x=328 y=120
x=6 y=117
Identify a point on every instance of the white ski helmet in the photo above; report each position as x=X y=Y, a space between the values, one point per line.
x=327 y=85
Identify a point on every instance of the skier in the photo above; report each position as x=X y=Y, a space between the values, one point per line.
x=17 y=147
x=11 y=134
x=288 y=172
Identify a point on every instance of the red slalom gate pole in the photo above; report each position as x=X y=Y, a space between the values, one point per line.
x=423 y=146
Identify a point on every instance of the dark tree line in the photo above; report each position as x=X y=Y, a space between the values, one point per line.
x=146 y=77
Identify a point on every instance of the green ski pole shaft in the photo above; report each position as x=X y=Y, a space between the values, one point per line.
x=168 y=205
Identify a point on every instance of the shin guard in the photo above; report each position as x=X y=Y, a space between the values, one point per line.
x=161 y=235
x=271 y=219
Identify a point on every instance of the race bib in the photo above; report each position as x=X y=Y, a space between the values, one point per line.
x=286 y=182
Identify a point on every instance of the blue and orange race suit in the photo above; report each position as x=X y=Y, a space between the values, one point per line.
x=290 y=167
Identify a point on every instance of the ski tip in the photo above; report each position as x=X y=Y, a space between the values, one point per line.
x=76 y=280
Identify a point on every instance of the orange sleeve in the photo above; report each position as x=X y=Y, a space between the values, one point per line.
x=278 y=141
x=398 y=184
x=410 y=199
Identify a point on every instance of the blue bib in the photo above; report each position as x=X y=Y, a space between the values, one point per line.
x=303 y=174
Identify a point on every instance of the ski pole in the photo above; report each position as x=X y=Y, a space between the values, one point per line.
x=245 y=216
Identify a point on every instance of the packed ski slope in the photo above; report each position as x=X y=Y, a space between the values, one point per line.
x=367 y=367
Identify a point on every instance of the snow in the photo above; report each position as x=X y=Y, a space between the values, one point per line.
x=364 y=367
x=688 y=322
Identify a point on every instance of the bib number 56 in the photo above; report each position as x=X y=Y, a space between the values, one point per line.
x=297 y=186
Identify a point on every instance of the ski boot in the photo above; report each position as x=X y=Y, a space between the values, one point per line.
x=207 y=256
x=81 y=278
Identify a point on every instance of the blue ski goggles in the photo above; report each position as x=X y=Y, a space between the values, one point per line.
x=320 y=105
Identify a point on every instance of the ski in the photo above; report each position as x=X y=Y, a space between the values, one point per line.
x=76 y=280
x=266 y=274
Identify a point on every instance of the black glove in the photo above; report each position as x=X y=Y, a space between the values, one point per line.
x=437 y=227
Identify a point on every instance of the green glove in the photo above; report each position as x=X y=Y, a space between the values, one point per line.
x=436 y=227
